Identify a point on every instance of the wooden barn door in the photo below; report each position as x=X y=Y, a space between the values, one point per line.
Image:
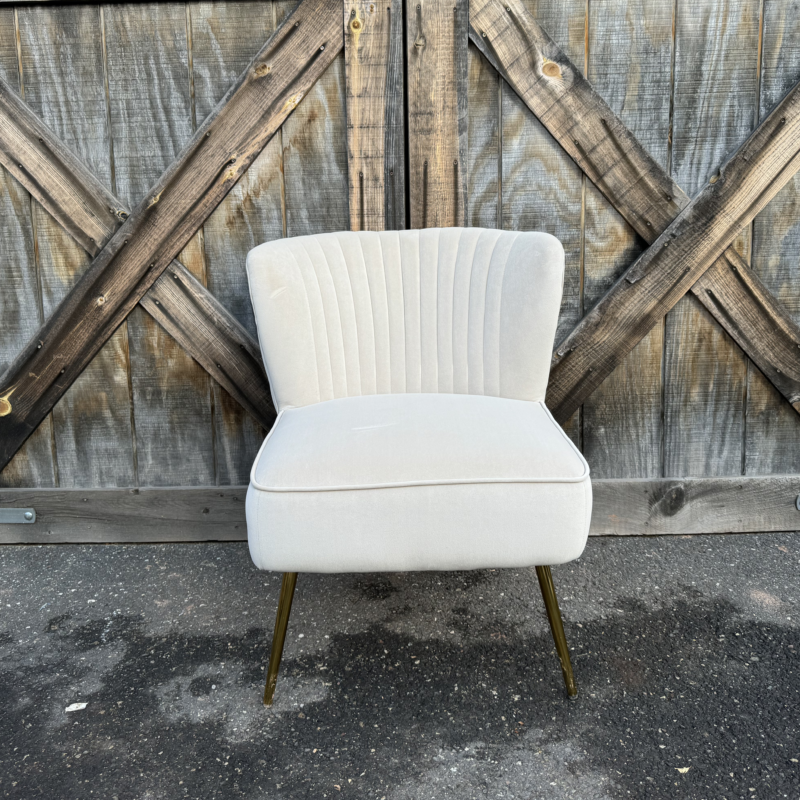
x=146 y=148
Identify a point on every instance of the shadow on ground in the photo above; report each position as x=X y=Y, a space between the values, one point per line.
x=688 y=700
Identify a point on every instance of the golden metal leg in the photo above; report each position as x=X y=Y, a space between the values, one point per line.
x=556 y=626
x=278 y=638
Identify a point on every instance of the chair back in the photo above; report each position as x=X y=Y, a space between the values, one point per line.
x=454 y=310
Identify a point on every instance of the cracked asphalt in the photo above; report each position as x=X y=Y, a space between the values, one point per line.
x=402 y=686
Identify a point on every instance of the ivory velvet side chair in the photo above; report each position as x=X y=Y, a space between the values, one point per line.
x=409 y=371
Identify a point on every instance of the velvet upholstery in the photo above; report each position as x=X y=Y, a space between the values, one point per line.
x=409 y=371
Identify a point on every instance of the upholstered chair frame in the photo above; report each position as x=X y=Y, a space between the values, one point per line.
x=359 y=325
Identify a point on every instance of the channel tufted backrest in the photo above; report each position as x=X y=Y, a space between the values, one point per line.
x=454 y=310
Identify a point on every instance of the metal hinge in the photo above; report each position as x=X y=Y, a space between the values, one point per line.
x=17 y=515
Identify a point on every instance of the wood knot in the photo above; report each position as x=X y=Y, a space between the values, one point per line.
x=5 y=405
x=262 y=70
x=671 y=502
x=292 y=103
x=551 y=69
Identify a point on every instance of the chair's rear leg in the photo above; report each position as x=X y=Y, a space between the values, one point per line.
x=556 y=626
x=278 y=638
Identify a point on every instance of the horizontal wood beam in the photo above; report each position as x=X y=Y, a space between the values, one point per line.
x=637 y=186
x=667 y=506
x=670 y=506
x=91 y=214
x=207 y=513
x=698 y=236
x=219 y=153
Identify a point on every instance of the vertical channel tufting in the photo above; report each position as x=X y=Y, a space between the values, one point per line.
x=437 y=310
x=313 y=289
x=375 y=330
x=492 y=314
x=409 y=268
x=340 y=277
x=331 y=315
x=313 y=316
x=376 y=270
x=446 y=263
x=477 y=308
x=462 y=279
x=393 y=274
x=428 y=290
x=350 y=259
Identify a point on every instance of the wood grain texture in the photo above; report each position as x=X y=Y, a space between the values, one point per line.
x=373 y=37
x=436 y=54
x=62 y=64
x=772 y=443
x=553 y=87
x=629 y=66
x=201 y=514
x=180 y=202
x=209 y=513
x=697 y=237
x=622 y=169
x=315 y=157
x=714 y=100
x=484 y=163
x=695 y=505
x=225 y=37
x=20 y=300
x=151 y=122
x=52 y=173
x=542 y=186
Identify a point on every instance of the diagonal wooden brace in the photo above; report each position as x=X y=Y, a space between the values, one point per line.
x=695 y=239
x=142 y=249
x=611 y=156
x=82 y=205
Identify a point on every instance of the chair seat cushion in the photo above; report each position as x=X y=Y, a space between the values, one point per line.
x=417 y=481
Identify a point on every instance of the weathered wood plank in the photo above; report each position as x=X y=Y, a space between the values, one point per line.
x=484 y=165
x=773 y=431
x=65 y=185
x=211 y=513
x=138 y=253
x=629 y=66
x=151 y=121
x=174 y=514
x=373 y=36
x=660 y=277
x=20 y=303
x=225 y=36
x=542 y=188
x=315 y=157
x=436 y=54
x=555 y=90
x=716 y=64
x=620 y=167
x=695 y=505
x=62 y=65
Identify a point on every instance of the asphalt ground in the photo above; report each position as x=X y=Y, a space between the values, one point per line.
x=402 y=686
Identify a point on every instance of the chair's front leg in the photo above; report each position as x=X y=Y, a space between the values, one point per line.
x=556 y=626
x=278 y=638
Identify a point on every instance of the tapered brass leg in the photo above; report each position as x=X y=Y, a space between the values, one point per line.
x=278 y=638
x=556 y=626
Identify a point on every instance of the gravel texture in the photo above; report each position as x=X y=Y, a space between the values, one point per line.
x=402 y=686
